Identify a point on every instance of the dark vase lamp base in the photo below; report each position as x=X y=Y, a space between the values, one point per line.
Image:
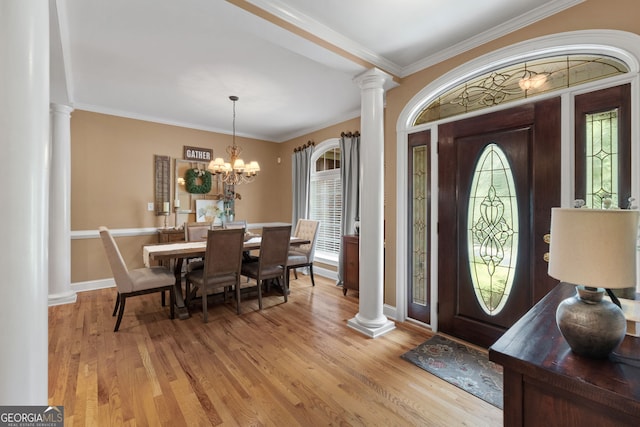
x=593 y=327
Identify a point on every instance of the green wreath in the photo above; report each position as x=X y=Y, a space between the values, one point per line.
x=191 y=181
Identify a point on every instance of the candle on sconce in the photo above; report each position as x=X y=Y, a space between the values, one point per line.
x=176 y=203
x=165 y=207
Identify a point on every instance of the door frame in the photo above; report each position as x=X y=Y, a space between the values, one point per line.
x=618 y=44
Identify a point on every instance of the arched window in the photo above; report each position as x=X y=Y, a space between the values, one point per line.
x=326 y=198
x=519 y=81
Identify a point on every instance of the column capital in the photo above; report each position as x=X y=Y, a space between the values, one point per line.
x=375 y=78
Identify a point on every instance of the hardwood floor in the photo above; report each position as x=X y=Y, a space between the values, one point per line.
x=294 y=363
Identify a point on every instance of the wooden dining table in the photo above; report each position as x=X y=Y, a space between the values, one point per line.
x=177 y=252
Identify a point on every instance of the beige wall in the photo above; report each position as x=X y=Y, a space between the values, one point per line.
x=112 y=157
x=112 y=174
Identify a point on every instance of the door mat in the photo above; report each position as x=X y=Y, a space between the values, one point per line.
x=463 y=366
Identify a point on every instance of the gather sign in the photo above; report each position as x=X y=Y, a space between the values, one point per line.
x=197 y=154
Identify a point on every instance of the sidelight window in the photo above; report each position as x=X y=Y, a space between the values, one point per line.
x=602 y=159
x=420 y=225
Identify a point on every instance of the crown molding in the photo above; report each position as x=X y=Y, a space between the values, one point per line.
x=311 y=26
x=541 y=12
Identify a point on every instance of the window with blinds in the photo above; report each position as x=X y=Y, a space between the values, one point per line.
x=326 y=201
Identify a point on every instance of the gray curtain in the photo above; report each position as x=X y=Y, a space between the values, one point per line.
x=350 y=178
x=301 y=178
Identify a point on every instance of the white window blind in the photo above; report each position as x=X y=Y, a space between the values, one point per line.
x=326 y=206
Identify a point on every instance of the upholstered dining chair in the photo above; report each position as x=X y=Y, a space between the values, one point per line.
x=196 y=231
x=222 y=262
x=241 y=223
x=135 y=282
x=272 y=261
x=302 y=256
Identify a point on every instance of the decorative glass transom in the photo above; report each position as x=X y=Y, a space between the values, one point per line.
x=520 y=81
x=492 y=229
x=602 y=159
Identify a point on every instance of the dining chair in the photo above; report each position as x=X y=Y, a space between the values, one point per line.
x=196 y=231
x=135 y=282
x=236 y=224
x=272 y=261
x=302 y=256
x=222 y=263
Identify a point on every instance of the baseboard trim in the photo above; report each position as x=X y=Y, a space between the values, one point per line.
x=390 y=311
x=93 y=285
x=329 y=274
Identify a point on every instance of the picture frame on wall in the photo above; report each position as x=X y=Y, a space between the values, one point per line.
x=208 y=211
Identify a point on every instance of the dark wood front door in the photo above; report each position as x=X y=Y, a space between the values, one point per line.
x=499 y=177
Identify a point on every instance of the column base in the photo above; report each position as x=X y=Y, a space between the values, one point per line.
x=371 y=331
x=65 y=298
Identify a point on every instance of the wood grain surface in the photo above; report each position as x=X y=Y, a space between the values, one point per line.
x=294 y=363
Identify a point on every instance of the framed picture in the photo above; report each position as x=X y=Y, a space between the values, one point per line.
x=208 y=210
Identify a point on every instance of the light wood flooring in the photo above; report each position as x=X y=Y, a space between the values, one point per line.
x=294 y=363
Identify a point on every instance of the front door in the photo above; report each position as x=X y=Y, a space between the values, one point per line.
x=499 y=177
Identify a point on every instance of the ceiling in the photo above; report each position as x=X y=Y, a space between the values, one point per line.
x=291 y=62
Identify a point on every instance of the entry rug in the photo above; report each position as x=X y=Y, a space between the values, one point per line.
x=462 y=366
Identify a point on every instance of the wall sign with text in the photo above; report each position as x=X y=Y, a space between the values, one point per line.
x=197 y=154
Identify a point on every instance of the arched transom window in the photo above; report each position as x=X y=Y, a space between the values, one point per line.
x=519 y=81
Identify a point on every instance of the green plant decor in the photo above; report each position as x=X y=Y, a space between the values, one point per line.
x=193 y=176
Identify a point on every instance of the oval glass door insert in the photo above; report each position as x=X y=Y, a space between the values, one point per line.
x=492 y=229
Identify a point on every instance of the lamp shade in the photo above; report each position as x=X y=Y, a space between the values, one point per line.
x=594 y=247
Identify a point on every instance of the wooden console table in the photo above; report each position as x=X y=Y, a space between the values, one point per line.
x=546 y=384
x=351 y=248
x=168 y=235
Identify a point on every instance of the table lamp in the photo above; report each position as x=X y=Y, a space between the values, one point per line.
x=593 y=249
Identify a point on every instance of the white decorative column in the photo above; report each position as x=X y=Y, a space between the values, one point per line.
x=370 y=320
x=24 y=150
x=60 y=291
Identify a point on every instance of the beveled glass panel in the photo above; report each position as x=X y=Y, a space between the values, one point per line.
x=419 y=227
x=602 y=159
x=520 y=81
x=492 y=229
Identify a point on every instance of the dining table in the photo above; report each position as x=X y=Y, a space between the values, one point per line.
x=177 y=252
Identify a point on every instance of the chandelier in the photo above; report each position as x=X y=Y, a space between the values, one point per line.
x=234 y=171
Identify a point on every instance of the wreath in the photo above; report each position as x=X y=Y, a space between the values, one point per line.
x=191 y=178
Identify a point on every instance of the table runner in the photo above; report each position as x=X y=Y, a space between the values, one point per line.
x=147 y=250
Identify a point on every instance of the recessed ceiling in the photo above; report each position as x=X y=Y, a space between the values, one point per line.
x=291 y=62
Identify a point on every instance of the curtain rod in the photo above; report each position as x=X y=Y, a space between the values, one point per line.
x=350 y=134
x=304 y=146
